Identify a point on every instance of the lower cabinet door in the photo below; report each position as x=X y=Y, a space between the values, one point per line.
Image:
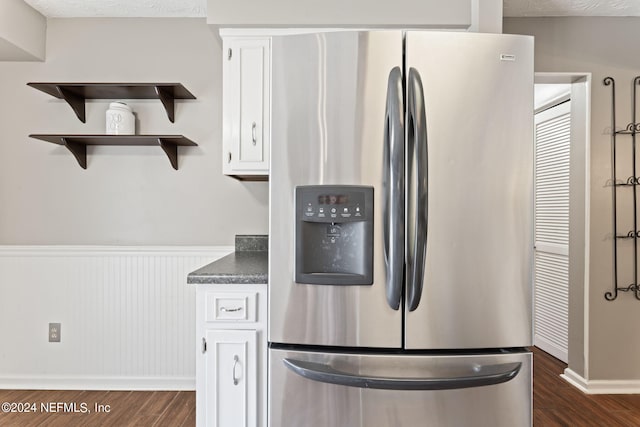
x=231 y=390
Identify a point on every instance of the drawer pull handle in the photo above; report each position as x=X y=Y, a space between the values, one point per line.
x=235 y=363
x=230 y=310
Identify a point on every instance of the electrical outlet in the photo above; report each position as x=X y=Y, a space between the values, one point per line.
x=54 y=332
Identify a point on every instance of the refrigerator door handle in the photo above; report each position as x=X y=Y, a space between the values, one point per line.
x=393 y=185
x=417 y=190
x=474 y=376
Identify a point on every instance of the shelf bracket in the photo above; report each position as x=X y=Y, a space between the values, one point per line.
x=75 y=101
x=171 y=150
x=78 y=150
x=166 y=97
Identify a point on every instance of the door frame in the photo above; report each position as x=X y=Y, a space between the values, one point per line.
x=579 y=215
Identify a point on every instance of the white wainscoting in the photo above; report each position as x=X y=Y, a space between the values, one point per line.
x=127 y=315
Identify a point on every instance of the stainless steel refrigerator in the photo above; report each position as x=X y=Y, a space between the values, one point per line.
x=401 y=230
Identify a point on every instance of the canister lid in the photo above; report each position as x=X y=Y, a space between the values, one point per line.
x=119 y=106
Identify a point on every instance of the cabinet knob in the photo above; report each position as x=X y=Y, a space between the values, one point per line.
x=204 y=345
x=230 y=310
x=254 y=137
x=229 y=157
x=229 y=54
x=236 y=359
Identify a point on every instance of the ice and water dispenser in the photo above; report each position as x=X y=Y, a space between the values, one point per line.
x=334 y=235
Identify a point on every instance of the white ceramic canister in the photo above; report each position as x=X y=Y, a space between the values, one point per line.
x=120 y=119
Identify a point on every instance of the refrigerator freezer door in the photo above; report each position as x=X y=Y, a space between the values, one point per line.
x=478 y=94
x=329 y=94
x=459 y=396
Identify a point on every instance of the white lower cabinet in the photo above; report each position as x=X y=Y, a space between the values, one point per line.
x=231 y=374
x=231 y=362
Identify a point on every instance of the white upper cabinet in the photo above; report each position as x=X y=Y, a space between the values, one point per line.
x=246 y=107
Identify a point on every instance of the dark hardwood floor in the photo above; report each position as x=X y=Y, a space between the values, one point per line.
x=558 y=403
x=555 y=403
x=98 y=408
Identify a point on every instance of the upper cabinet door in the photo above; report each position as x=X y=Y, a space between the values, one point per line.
x=246 y=107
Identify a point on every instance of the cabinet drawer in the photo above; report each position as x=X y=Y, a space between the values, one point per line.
x=231 y=306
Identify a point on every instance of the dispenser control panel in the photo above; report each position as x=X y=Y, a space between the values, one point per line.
x=334 y=235
x=323 y=203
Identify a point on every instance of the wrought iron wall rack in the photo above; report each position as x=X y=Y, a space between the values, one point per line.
x=632 y=182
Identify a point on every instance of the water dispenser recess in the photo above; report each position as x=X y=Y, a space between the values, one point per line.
x=334 y=235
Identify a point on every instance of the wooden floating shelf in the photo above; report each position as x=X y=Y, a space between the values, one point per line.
x=77 y=144
x=75 y=94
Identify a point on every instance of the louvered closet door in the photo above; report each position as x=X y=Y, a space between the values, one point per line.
x=551 y=280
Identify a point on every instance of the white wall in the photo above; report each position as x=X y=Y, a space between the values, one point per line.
x=127 y=195
x=22 y=32
x=127 y=313
x=603 y=47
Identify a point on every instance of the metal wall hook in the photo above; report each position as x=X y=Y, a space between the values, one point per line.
x=629 y=235
x=632 y=180
x=632 y=128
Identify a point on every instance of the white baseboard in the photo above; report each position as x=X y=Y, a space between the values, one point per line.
x=601 y=386
x=97 y=383
x=575 y=380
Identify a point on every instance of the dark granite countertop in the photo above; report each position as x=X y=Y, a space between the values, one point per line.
x=248 y=264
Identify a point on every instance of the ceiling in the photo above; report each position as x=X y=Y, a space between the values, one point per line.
x=515 y=8
x=198 y=8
